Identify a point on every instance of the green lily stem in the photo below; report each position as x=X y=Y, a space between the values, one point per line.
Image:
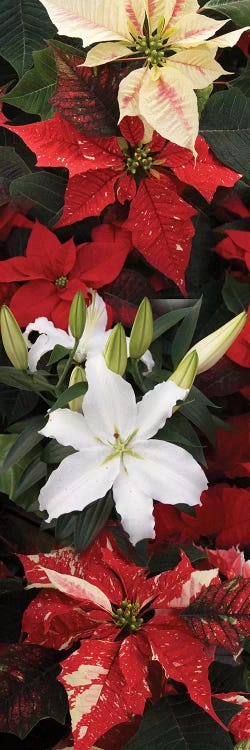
x=67 y=366
x=137 y=375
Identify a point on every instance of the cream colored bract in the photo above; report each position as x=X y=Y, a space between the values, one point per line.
x=172 y=48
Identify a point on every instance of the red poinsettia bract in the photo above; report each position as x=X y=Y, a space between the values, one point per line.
x=150 y=176
x=125 y=621
x=54 y=272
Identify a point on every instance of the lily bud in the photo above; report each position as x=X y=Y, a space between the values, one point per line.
x=115 y=352
x=78 y=375
x=142 y=330
x=13 y=340
x=185 y=373
x=213 y=347
x=77 y=315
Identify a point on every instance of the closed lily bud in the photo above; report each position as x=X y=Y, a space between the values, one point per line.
x=13 y=340
x=213 y=347
x=78 y=375
x=142 y=330
x=77 y=315
x=115 y=352
x=185 y=373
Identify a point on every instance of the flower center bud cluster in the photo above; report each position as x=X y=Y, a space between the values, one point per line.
x=127 y=615
x=61 y=281
x=153 y=47
x=141 y=158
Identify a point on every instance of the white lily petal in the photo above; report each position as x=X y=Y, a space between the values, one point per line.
x=128 y=95
x=135 y=508
x=227 y=40
x=198 y=65
x=169 y=104
x=148 y=360
x=193 y=29
x=106 y=52
x=109 y=404
x=69 y=428
x=91 y=20
x=94 y=336
x=166 y=472
x=156 y=406
x=78 y=588
x=49 y=337
x=79 y=480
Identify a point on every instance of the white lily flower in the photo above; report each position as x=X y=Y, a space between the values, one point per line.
x=92 y=341
x=174 y=47
x=115 y=449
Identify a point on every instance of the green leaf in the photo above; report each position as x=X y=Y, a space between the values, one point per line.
x=10 y=478
x=82 y=527
x=43 y=193
x=11 y=166
x=79 y=389
x=54 y=453
x=24 y=443
x=184 y=334
x=24 y=380
x=197 y=410
x=202 y=97
x=182 y=725
x=25 y=25
x=169 y=320
x=243 y=82
x=225 y=125
x=237 y=10
x=178 y=430
x=59 y=352
x=33 y=474
x=33 y=91
x=236 y=295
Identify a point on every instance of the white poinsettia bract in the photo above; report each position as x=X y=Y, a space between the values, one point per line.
x=114 y=449
x=174 y=54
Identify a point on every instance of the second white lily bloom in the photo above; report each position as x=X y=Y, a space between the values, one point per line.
x=92 y=342
x=115 y=450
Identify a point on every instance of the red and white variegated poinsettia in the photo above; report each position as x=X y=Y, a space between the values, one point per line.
x=171 y=45
x=128 y=622
x=138 y=171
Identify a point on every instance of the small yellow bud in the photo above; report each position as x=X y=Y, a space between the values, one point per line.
x=185 y=373
x=77 y=376
x=142 y=330
x=213 y=347
x=77 y=315
x=13 y=340
x=115 y=352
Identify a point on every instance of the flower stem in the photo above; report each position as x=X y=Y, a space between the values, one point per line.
x=67 y=366
x=137 y=375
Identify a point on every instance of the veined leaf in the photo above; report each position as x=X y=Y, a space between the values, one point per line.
x=221 y=614
x=33 y=92
x=237 y=10
x=225 y=125
x=25 y=25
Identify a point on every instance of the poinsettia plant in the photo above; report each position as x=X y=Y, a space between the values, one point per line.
x=124 y=374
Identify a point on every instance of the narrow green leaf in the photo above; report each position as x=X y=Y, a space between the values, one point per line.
x=25 y=381
x=183 y=337
x=79 y=389
x=33 y=91
x=59 y=352
x=24 y=443
x=33 y=473
x=168 y=320
x=235 y=294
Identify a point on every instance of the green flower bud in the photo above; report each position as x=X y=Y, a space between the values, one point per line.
x=213 y=347
x=77 y=376
x=142 y=330
x=13 y=340
x=115 y=352
x=77 y=315
x=185 y=373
